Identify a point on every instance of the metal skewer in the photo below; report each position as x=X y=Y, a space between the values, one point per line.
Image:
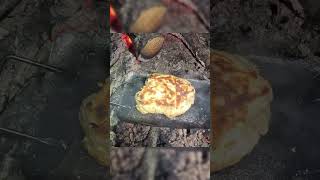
x=34 y=63
x=47 y=141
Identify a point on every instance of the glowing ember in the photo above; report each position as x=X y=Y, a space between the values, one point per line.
x=127 y=40
x=130 y=45
x=113 y=15
x=114 y=20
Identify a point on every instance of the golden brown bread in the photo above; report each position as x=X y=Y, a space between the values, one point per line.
x=165 y=94
x=94 y=114
x=241 y=108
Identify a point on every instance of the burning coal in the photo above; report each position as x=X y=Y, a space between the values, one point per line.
x=130 y=44
x=114 y=20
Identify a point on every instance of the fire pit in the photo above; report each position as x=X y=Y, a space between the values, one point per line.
x=182 y=55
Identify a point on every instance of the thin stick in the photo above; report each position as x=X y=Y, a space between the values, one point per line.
x=112 y=103
x=34 y=63
x=42 y=140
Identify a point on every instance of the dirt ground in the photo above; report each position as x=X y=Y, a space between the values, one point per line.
x=279 y=28
x=137 y=135
x=159 y=163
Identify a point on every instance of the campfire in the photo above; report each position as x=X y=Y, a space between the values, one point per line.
x=170 y=54
x=164 y=59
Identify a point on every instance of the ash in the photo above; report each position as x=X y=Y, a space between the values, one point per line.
x=150 y=163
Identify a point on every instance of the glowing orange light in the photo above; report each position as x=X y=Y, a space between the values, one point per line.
x=113 y=15
x=130 y=45
x=127 y=40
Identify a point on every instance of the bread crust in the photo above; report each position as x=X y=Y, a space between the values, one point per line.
x=94 y=114
x=240 y=106
x=165 y=94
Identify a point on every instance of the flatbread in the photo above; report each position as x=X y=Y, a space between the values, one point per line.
x=165 y=94
x=240 y=106
x=94 y=114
